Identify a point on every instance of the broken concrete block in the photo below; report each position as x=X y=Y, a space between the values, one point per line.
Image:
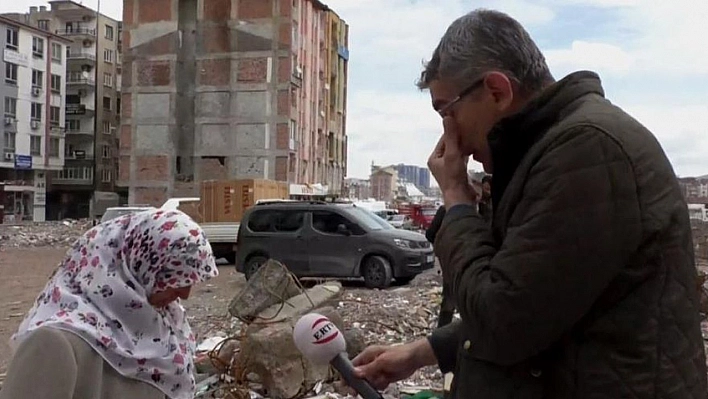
x=301 y=304
x=355 y=341
x=270 y=285
x=269 y=352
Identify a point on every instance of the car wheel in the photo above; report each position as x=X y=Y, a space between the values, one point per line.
x=377 y=272
x=253 y=264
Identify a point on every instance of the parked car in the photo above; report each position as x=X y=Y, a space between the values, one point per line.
x=319 y=239
x=400 y=221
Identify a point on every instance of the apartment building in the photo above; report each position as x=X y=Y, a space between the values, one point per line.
x=221 y=89
x=93 y=105
x=358 y=189
x=384 y=183
x=32 y=93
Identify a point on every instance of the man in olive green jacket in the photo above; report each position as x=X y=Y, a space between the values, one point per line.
x=585 y=285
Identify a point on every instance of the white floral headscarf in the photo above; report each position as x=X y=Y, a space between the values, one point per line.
x=100 y=293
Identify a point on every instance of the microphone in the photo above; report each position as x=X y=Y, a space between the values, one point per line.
x=319 y=340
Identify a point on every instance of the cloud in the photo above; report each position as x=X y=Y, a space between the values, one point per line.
x=646 y=52
x=600 y=57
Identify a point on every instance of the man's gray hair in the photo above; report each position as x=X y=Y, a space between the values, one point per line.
x=483 y=41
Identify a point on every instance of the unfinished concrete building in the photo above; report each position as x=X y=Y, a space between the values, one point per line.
x=221 y=89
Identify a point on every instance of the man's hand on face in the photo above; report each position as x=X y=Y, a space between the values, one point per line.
x=448 y=165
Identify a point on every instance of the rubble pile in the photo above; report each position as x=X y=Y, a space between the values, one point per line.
x=54 y=234
x=259 y=358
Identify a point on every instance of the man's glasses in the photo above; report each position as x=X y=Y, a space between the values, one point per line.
x=474 y=86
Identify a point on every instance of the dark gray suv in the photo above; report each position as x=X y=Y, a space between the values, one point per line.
x=321 y=239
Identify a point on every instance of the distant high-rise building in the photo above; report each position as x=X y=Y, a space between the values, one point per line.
x=416 y=175
x=232 y=89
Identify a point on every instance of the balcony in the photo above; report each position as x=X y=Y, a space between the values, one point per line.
x=77 y=31
x=76 y=133
x=82 y=56
x=79 y=79
x=78 y=155
x=80 y=109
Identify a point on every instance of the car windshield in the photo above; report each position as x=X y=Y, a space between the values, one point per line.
x=398 y=218
x=367 y=218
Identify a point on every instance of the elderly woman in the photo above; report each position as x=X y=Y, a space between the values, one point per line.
x=109 y=323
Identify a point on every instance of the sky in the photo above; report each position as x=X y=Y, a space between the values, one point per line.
x=649 y=54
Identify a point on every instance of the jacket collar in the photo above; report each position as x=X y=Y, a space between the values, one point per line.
x=512 y=137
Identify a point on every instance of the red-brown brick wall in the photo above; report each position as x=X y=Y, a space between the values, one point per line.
x=286 y=8
x=154 y=196
x=217 y=10
x=284 y=69
x=126 y=105
x=211 y=169
x=281 y=168
x=283 y=136
x=154 y=73
x=214 y=72
x=152 y=167
x=283 y=102
x=252 y=70
x=216 y=39
x=126 y=140
x=160 y=46
x=128 y=13
x=252 y=9
x=124 y=169
x=154 y=10
x=285 y=34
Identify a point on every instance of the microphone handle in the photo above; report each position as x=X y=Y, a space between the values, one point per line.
x=345 y=367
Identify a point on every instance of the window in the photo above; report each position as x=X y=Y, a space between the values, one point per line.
x=38 y=47
x=37 y=78
x=106 y=176
x=85 y=173
x=54 y=147
x=109 y=32
x=276 y=221
x=35 y=145
x=108 y=79
x=107 y=103
x=10 y=106
x=73 y=125
x=57 y=52
x=118 y=108
x=54 y=116
x=108 y=55
x=56 y=83
x=106 y=152
x=9 y=141
x=36 y=111
x=12 y=39
x=328 y=223
x=10 y=73
x=106 y=127
x=43 y=24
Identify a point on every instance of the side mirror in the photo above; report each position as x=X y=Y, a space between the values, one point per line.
x=343 y=230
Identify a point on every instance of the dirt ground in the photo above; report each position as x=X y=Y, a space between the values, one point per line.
x=25 y=272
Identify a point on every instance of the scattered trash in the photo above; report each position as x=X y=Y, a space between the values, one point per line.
x=42 y=234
